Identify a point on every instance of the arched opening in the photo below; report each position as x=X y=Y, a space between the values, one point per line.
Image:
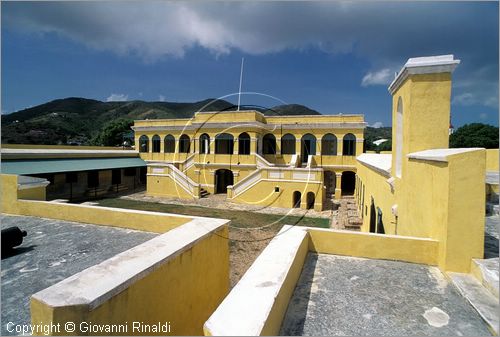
x=224 y=143
x=288 y=144
x=269 y=144
x=184 y=144
x=156 y=143
x=329 y=145
x=349 y=145
x=348 y=182
x=380 y=222
x=373 y=219
x=307 y=146
x=169 y=146
x=297 y=198
x=223 y=179
x=144 y=144
x=310 y=200
x=399 y=137
x=204 y=144
x=244 y=143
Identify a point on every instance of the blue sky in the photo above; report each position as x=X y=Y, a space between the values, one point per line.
x=334 y=57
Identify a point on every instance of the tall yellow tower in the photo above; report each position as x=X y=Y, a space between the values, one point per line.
x=421 y=95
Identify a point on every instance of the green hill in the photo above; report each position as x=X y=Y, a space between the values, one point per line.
x=79 y=120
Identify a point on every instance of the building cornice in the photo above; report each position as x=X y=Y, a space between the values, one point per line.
x=424 y=65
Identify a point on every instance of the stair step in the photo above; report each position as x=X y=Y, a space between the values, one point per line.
x=486 y=272
x=485 y=303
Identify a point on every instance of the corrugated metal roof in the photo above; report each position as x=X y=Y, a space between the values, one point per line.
x=67 y=165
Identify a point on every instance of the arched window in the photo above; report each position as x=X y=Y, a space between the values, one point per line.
x=184 y=144
x=169 y=146
x=144 y=144
x=156 y=143
x=244 y=143
x=399 y=137
x=329 y=145
x=204 y=144
x=349 y=145
x=308 y=147
x=288 y=144
x=269 y=144
x=224 y=143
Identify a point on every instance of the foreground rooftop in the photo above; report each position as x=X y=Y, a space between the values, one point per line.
x=52 y=251
x=338 y=295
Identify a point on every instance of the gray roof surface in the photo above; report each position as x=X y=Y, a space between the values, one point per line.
x=52 y=251
x=39 y=166
x=338 y=295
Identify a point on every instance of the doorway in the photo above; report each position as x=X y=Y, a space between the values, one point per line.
x=223 y=179
x=297 y=196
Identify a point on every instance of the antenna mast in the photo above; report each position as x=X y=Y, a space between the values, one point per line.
x=241 y=78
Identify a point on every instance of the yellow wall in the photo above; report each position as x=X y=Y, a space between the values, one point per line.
x=492 y=160
x=263 y=192
x=183 y=291
x=274 y=320
x=147 y=221
x=372 y=185
x=374 y=246
x=426 y=114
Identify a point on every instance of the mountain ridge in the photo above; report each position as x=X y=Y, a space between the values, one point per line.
x=77 y=119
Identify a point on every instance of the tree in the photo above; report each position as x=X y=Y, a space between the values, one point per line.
x=475 y=135
x=112 y=133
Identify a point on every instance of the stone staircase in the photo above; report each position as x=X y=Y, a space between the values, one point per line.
x=204 y=193
x=348 y=217
x=480 y=288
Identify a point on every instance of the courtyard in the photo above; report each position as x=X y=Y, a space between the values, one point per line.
x=249 y=231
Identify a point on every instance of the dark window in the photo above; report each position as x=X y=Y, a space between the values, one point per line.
x=329 y=145
x=244 y=143
x=116 y=176
x=349 y=145
x=156 y=140
x=276 y=189
x=269 y=144
x=184 y=144
x=71 y=177
x=93 y=179
x=224 y=143
x=144 y=144
x=169 y=146
x=288 y=144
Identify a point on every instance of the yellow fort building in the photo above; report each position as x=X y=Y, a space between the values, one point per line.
x=420 y=209
x=276 y=161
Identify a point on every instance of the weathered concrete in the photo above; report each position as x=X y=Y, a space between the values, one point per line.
x=352 y=296
x=479 y=297
x=489 y=273
x=53 y=251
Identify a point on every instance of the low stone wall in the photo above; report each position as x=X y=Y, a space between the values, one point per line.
x=166 y=286
x=258 y=302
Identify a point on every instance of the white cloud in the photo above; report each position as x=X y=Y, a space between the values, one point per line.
x=383 y=76
x=117 y=98
x=161 y=98
x=377 y=125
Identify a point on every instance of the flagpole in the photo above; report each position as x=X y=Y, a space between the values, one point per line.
x=241 y=78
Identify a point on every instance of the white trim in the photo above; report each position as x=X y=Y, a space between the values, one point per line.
x=440 y=155
x=424 y=65
x=96 y=285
